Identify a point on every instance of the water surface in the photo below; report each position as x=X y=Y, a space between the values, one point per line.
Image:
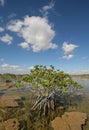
x=33 y=121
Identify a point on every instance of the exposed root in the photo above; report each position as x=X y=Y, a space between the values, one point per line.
x=44 y=103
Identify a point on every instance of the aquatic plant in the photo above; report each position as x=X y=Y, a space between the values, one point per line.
x=49 y=84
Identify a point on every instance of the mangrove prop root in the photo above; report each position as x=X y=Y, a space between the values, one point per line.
x=44 y=103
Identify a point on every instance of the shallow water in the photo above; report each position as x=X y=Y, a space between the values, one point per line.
x=84 y=82
x=83 y=104
x=33 y=121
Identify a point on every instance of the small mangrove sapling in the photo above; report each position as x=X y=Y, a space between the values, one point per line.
x=49 y=83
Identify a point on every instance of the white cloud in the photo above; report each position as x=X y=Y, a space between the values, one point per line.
x=7 y=39
x=1 y=29
x=2 y=2
x=69 y=56
x=15 y=25
x=36 y=32
x=24 y=45
x=14 y=69
x=45 y=9
x=68 y=49
x=7 y=66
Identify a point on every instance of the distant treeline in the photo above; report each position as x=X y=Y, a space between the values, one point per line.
x=8 y=76
x=11 y=77
x=81 y=76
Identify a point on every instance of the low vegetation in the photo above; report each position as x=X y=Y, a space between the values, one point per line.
x=47 y=87
x=49 y=84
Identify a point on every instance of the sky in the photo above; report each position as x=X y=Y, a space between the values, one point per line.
x=44 y=32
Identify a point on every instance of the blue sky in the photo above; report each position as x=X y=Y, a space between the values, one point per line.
x=44 y=32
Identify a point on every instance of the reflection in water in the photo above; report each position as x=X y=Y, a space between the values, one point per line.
x=84 y=82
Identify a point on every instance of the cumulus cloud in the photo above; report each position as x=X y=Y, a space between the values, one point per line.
x=15 y=25
x=2 y=2
x=45 y=9
x=68 y=49
x=24 y=45
x=1 y=29
x=36 y=32
x=7 y=66
x=7 y=39
x=69 y=56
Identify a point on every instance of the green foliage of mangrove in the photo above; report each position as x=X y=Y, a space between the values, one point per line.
x=48 y=84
